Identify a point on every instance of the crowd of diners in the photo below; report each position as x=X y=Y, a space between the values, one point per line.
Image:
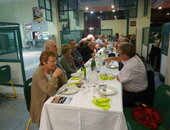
x=53 y=72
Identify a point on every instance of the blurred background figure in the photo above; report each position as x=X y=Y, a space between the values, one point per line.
x=75 y=53
x=67 y=61
x=115 y=38
x=87 y=51
x=82 y=42
x=52 y=46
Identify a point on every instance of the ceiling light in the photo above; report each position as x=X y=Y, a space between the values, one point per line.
x=101 y=12
x=160 y=7
x=113 y=10
x=112 y=6
x=91 y=12
x=168 y=14
x=86 y=8
x=98 y=17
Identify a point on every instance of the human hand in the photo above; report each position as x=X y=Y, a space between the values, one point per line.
x=108 y=60
x=57 y=72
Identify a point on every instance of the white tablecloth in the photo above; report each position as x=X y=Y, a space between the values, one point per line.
x=81 y=113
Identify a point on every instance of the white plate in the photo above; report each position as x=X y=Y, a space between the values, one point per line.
x=77 y=74
x=108 y=74
x=113 y=66
x=109 y=90
x=70 y=90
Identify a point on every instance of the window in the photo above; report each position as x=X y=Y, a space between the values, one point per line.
x=145 y=13
x=76 y=17
x=46 y=5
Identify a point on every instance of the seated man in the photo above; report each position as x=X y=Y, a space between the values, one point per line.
x=82 y=42
x=133 y=75
x=87 y=51
x=67 y=61
x=52 y=46
x=45 y=82
x=75 y=53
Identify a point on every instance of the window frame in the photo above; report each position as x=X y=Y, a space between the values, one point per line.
x=46 y=9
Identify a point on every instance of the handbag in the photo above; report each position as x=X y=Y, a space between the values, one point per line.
x=148 y=117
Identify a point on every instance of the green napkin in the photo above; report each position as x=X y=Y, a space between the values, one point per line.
x=103 y=103
x=75 y=83
x=75 y=78
x=104 y=77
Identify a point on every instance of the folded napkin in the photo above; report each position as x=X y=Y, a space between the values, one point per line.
x=75 y=83
x=75 y=78
x=113 y=67
x=103 y=103
x=105 y=77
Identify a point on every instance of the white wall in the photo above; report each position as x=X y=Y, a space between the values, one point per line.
x=132 y=29
x=21 y=12
x=118 y=26
x=142 y=22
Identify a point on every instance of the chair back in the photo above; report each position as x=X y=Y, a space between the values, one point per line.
x=5 y=74
x=27 y=93
x=162 y=104
x=151 y=87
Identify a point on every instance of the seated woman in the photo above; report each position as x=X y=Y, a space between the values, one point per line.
x=45 y=82
x=67 y=61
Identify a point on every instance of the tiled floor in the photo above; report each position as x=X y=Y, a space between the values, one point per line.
x=31 y=60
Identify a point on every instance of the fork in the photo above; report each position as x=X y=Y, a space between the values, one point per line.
x=60 y=93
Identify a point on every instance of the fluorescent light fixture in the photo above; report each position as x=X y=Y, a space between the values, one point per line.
x=113 y=10
x=86 y=8
x=91 y=12
x=160 y=7
x=112 y=6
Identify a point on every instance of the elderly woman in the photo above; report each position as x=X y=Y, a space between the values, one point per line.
x=67 y=61
x=45 y=82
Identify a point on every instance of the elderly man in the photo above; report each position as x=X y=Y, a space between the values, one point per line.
x=52 y=46
x=82 y=42
x=87 y=51
x=133 y=75
x=75 y=53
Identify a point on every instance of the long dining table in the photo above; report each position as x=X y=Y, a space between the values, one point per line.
x=81 y=113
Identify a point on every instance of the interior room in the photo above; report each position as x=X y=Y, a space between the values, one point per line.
x=89 y=40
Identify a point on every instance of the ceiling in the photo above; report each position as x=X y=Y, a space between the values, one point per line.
x=162 y=3
x=105 y=5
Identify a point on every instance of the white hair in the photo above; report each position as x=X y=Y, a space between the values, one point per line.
x=90 y=36
x=47 y=44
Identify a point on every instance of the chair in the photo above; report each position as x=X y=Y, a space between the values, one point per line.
x=151 y=88
x=161 y=103
x=27 y=94
x=5 y=77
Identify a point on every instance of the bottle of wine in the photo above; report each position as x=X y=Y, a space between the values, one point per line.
x=83 y=71
x=93 y=63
